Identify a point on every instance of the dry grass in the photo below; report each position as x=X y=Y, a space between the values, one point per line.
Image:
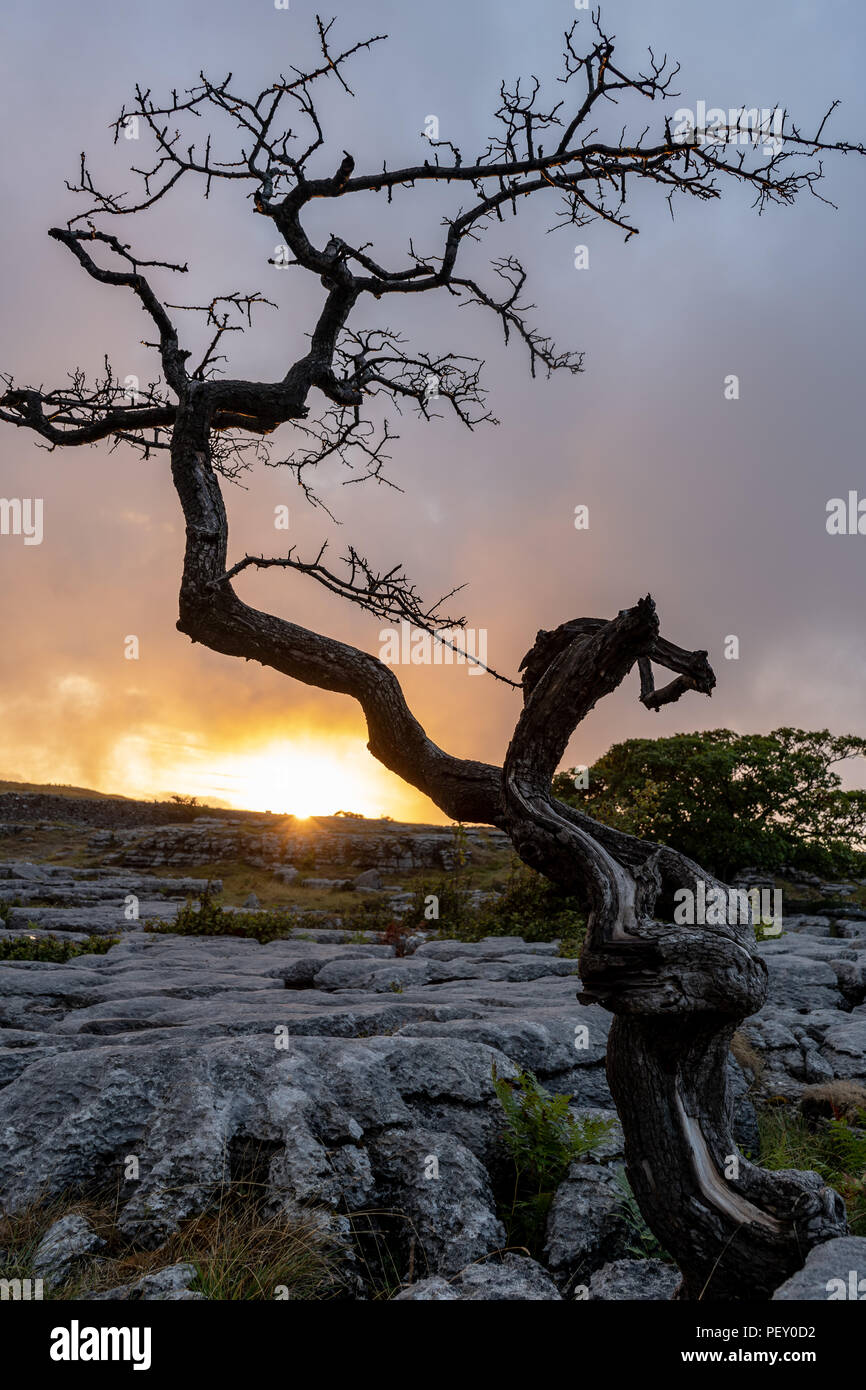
x=838 y=1100
x=749 y=1059
x=241 y=1250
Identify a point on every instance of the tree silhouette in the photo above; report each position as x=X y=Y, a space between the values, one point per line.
x=677 y=992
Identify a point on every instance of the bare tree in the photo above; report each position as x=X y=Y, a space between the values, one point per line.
x=677 y=993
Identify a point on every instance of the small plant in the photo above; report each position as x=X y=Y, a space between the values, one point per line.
x=447 y=898
x=242 y=1253
x=543 y=1138
x=370 y=914
x=395 y=934
x=643 y=1244
x=205 y=916
x=240 y=1249
x=835 y=1148
x=52 y=949
x=534 y=908
x=569 y=947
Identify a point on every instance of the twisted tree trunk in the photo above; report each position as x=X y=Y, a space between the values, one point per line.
x=678 y=993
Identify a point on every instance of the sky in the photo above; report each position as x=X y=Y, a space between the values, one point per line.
x=716 y=507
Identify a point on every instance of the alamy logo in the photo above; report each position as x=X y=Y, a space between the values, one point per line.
x=729 y=907
x=21 y=1290
x=22 y=516
x=855 y=1288
x=447 y=646
x=77 y=1343
x=846 y=518
x=741 y=125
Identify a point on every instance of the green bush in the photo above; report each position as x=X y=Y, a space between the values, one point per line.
x=543 y=1138
x=530 y=907
x=368 y=914
x=52 y=949
x=730 y=800
x=834 y=1147
x=534 y=908
x=205 y=916
x=453 y=916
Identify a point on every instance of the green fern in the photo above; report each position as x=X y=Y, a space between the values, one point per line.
x=543 y=1138
x=644 y=1245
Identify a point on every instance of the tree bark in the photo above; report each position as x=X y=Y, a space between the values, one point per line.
x=677 y=993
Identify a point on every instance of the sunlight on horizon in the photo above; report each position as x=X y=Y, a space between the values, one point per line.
x=303 y=775
x=305 y=780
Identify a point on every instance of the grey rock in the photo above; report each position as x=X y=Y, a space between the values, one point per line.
x=435 y=1290
x=850 y=970
x=801 y=982
x=516 y=1278
x=444 y=1193
x=321 y=1062
x=66 y=1243
x=815 y=1068
x=844 y=1046
x=169 y=1284
x=643 y=1280
x=586 y=1225
x=370 y=878
x=808 y=926
x=835 y=1270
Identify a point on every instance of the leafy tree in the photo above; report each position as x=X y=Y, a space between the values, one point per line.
x=728 y=799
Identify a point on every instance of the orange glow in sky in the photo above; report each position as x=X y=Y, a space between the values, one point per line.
x=85 y=731
x=304 y=775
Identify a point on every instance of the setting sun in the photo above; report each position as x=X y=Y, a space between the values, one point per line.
x=302 y=778
x=307 y=773
x=302 y=772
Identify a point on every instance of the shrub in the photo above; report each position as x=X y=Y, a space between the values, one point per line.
x=543 y=1138
x=533 y=908
x=53 y=949
x=395 y=935
x=454 y=916
x=835 y=1148
x=730 y=800
x=205 y=916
